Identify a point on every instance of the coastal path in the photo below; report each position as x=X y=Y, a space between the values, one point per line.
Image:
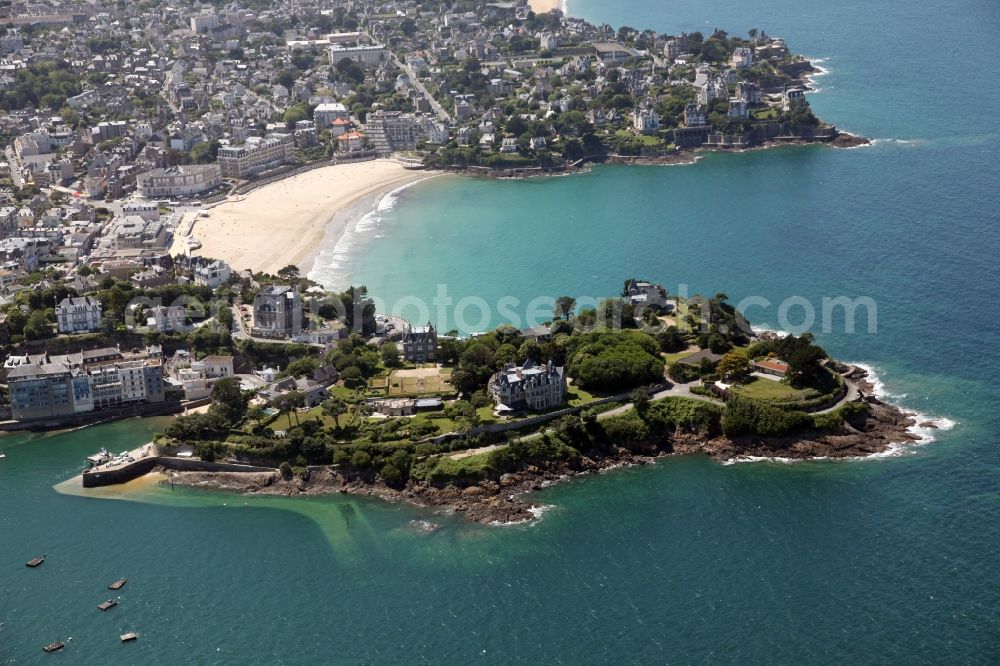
x=681 y=391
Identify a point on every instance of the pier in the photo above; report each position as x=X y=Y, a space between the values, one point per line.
x=135 y=463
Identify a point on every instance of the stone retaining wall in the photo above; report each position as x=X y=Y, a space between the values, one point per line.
x=145 y=465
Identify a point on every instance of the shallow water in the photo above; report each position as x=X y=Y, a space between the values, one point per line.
x=891 y=560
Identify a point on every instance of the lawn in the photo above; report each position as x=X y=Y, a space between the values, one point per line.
x=485 y=414
x=769 y=113
x=644 y=139
x=424 y=381
x=344 y=393
x=676 y=356
x=577 y=396
x=767 y=389
x=442 y=422
x=288 y=421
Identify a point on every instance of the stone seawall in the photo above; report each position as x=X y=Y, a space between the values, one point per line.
x=143 y=466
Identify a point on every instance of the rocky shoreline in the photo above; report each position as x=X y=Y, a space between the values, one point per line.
x=678 y=157
x=504 y=500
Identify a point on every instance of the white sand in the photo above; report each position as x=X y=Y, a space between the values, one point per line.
x=284 y=222
x=544 y=6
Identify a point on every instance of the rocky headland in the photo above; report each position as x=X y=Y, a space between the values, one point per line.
x=506 y=499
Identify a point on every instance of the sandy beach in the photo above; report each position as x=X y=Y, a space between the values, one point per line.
x=545 y=6
x=285 y=222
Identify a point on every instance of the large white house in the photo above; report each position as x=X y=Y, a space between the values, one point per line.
x=212 y=275
x=78 y=315
x=530 y=386
x=645 y=121
x=324 y=114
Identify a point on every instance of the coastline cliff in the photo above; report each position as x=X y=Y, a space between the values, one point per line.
x=874 y=428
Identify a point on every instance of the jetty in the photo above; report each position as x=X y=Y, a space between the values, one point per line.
x=53 y=647
x=127 y=465
x=118 y=584
x=35 y=562
x=108 y=605
x=99 y=458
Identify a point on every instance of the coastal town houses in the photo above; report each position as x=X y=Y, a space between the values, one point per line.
x=644 y=295
x=312 y=389
x=167 y=319
x=277 y=312
x=211 y=275
x=420 y=344
x=179 y=181
x=81 y=314
x=695 y=115
x=528 y=387
x=771 y=367
x=326 y=113
x=365 y=54
x=749 y=92
x=792 y=97
x=256 y=155
x=742 y=57
x=46 y=386
x=197 y=378
x=394 y=130
x=351 y=142
x=645 y=121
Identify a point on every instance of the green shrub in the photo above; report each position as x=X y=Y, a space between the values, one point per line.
x=754 y=417
x=681 y=373
x=835 y=420
x=391 y=475
x=675 y=412
x=614 y=360
x=627 y=429
x=361 y=459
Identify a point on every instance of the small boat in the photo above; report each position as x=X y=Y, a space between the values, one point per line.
x=52 y=647
x=99 y=458
x=108 y=605
x=130 y=636
x=2 y=454
x=35 y=562
x=118 y=584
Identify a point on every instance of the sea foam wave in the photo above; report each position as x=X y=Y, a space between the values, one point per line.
x=764 y=329
x=331 y=267
x=898 y=142
x=925 y=434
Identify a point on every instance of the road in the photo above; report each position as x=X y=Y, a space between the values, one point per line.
x=678 y=391
x=419 y=85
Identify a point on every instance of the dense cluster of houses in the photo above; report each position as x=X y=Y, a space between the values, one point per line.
x=44 y=386
x=179 y=100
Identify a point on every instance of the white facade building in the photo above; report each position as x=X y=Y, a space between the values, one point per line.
x=78 y=315
x=256 y=155
x=369 y=54
x=179 y=181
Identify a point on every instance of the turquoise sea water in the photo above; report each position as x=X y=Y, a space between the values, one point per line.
x=891 y=560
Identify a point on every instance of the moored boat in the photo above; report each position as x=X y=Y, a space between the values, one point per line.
x=118 y=584
x=108 y=605
x=52 y=647
x=35 y=562
x=130 y=636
